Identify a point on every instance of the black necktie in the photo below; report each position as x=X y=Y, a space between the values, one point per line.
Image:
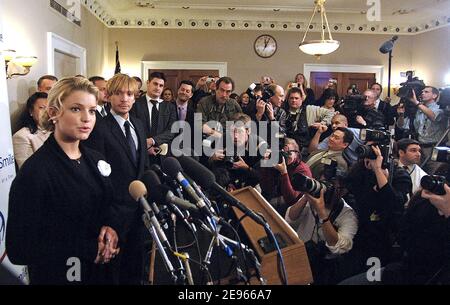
x=130 y=141
x=103 y=112
x=155 y=118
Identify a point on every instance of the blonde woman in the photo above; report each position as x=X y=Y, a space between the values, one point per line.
x=59 y=220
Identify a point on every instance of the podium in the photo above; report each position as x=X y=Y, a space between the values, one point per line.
x=293 y=250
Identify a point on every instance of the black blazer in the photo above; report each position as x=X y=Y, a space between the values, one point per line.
x=56 y=211
x=388 y=112
x=167 y=116
x=108 y=139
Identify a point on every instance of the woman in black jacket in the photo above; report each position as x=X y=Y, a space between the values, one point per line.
x=60 y=220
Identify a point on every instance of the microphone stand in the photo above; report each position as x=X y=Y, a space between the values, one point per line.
x=389 y=73
x=181 y=270
x=151 y=229
x=223 y=241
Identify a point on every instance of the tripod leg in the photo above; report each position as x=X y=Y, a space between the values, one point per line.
x=151 y=272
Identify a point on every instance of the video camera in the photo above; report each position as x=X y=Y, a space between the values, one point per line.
x=381 y=138
x=353 y=105
x=412 y=84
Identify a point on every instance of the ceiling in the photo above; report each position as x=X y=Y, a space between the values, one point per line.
x=346 y=16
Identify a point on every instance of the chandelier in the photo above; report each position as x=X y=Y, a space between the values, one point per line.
x=322 y=46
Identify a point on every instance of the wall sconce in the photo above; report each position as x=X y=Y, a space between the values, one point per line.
x=26 y=62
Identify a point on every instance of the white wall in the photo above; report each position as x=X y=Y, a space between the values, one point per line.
x=26 y=26
x=431 y=56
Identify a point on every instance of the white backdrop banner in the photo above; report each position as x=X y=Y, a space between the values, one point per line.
x=7 y=164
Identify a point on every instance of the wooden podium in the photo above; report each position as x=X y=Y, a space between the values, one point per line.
x=292 y=248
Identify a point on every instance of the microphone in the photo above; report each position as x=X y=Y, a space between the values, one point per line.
x=163 y=194
x=138 y=191
x=150 y=180
x=172 y=183
x=173 y=168
x=388 y=45
x=207 y=180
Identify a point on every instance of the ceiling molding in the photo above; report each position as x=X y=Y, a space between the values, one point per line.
x=191 y=18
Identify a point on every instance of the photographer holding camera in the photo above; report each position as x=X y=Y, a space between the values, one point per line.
x=236 y=165
x=339 y=140
x=326 y=223
x=379 y=206
x=337 y=121
x=300 y=118
x=369 y=116
x=409 y=153
x=268 y=107
x=428 y=122
x=276 y=182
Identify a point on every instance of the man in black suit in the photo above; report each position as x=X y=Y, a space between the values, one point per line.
x=102 y=106
x=185 y=112
x=156 y=115
x=121 y=138
x=384 y=106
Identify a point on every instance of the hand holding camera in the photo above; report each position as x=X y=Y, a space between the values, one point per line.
x=318 y=204
x=240 y=164
x=281 y=167
x=441 y=202
x=218 y=155
x=270 y=112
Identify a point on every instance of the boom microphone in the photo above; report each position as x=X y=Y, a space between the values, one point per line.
x=388 y=45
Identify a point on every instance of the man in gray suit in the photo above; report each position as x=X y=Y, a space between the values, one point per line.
x=157 y=116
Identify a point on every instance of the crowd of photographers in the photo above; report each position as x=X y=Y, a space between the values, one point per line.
x=348 y=178
x=362 y=181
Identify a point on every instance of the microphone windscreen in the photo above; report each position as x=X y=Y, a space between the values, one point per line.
x=137 y=189
x=202 y=175
x=150 y=179
x=171 y=167
x=158 y=193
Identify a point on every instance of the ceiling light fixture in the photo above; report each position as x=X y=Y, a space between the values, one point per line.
x=322 y=46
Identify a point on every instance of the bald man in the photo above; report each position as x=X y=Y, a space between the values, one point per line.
x=337 y=121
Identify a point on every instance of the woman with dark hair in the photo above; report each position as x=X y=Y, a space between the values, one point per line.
x=60 y=217
x=307 y=93
x=31 y=135
x=167 y=95
x=331 y=98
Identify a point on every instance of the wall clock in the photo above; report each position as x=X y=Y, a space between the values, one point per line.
x=265 y=46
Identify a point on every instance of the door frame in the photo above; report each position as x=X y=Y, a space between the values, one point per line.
x=378 y=70
x=62 y=45
x=183 y=65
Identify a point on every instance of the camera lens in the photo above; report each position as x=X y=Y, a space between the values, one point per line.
x=434 y=184
x=365 y=151
x=308 y=185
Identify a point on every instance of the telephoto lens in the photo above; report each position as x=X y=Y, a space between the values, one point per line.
x=434 y=184
x=365 y=151
x=308 y=185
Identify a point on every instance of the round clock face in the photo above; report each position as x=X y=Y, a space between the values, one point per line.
x=265 y=46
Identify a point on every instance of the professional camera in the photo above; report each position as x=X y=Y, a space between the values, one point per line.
x=266 y=95
x=381 y=138
x=308 y=185
x=441 y=154
x=353 y=105
x=412 y=84
x=379 y=135
x=434 y=184
x=313 y=187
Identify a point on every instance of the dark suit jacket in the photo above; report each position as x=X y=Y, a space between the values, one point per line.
x=387 y=111
x=56 y=210
x=167 y=116
x=108 y=139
